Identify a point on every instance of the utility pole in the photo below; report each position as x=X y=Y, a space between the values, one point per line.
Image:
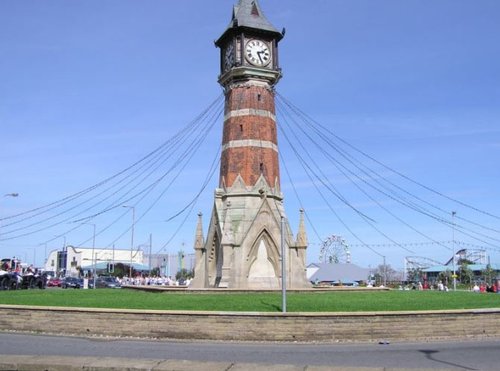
x=453 y=213
x=385 y=273
x=283 y=266
x=150 y=251
x=132 y=239
x=94 y=254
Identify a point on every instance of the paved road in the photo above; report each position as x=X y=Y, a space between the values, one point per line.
x=466 y=355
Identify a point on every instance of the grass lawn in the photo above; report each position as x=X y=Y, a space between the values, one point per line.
x=254 y=302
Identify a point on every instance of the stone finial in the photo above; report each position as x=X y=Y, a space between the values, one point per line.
x=199 y=242
x=301 y=240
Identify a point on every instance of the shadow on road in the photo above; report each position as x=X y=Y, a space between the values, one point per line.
x=429 y=354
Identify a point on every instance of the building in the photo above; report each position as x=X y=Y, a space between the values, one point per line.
x=72 y=260
x=337 y=274
x=244 y=240
x=169 y=264
x=432 y=274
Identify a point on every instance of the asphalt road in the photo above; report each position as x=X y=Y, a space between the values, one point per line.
x=465 y=355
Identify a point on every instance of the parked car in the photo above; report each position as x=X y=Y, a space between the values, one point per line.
x=74 y=283
x=107 y=282
x=54 y=282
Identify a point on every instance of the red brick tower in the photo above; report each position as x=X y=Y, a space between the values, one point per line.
x=250 y=147
x=242 y=249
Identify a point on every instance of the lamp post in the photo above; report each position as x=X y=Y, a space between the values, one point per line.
x=283 y=266
x=62 y=258
x=64 y=240
x=453 y=213
x=132 y=238
x=93 y=252
x=385 y=272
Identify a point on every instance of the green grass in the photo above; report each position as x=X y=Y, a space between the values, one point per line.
x=254 y=302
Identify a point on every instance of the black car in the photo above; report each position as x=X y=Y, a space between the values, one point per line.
x=74 y=283
x=107 y=282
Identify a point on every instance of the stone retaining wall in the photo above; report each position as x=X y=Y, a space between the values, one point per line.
x=302 y=327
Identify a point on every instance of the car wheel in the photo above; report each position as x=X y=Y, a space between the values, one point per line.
x=4 y=283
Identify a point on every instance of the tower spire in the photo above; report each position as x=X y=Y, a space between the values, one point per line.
x=301 y=240
x=248 y=15
x=199 y=241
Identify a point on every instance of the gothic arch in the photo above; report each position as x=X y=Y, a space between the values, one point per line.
x=214 y=268
x=263 y=262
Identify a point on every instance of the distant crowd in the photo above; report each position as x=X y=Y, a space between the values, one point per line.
x=483 y=287
x=440 y=286
x=154 y=281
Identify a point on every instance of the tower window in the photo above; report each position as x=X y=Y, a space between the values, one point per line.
x=259 y=97
x=241 y=128
x=261 y=166
x=255 y=10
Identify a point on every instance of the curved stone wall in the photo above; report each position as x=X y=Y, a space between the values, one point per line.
x=302 y=327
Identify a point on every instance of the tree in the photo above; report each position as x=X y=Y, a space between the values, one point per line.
x=184 y=274
x=414 y=275
x=155 y=272
x=487 y=274
x=121 y=270
x=445 y=277
x=385 y=274
x=465 y=274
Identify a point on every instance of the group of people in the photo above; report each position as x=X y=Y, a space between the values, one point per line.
x=484 y=287
x=440 y=286
x=154 y=281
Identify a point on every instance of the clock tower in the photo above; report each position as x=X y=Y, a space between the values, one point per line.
x=243 y=245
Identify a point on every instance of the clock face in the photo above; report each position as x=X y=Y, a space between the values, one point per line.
x=229 y=56
x=257 y=53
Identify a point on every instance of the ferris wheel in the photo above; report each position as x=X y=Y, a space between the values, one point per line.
x=334 y=249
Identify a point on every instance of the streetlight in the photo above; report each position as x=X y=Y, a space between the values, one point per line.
x=453 y=213
x=132 y=238
x=62 y=259
x=283 y=266
x=93 y=252
x=64 y=240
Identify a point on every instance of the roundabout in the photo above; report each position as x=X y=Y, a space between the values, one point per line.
x=315 y=317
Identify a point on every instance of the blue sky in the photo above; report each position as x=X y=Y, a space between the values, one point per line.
x=89 y=87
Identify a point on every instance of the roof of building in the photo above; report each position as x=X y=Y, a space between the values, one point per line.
x=248 y=14
x=339 y=272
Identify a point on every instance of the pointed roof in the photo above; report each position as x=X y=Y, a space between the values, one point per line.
x=199 y=242
x=248 y=14
x=301 y=234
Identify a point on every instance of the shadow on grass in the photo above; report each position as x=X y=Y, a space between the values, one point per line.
x=271 y=306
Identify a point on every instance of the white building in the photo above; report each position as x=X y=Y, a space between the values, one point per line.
x=72 y=259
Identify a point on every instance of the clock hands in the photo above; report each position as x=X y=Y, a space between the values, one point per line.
x=259 y=54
